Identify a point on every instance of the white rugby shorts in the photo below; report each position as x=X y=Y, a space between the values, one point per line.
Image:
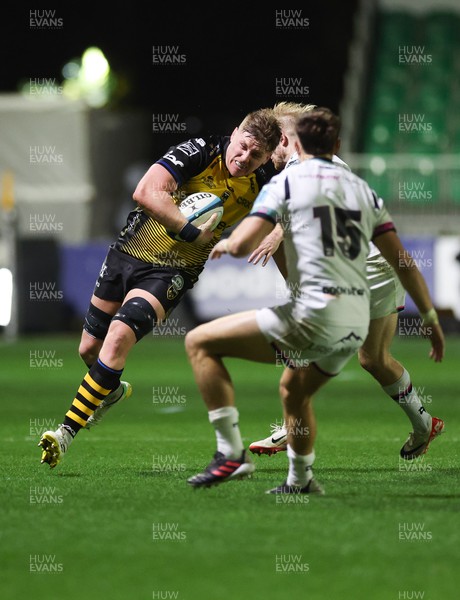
x=298 y=345
x=387 y=293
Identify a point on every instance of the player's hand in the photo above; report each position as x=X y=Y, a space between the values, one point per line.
x=219 y=249
x=207 y=232
x=436 y=336
x=267 y=247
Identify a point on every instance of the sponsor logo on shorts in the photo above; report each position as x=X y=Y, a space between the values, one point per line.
x=177 y=283
x=337 y=290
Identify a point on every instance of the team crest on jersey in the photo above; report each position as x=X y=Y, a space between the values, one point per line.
x=209 y=181
x=177 y=283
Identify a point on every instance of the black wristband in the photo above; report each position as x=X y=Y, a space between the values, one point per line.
x=189 y=233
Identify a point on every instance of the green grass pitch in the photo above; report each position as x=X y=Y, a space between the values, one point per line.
x=117 y=521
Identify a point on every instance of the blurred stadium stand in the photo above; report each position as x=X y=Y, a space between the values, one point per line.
x=406 y=141
x=401 y=129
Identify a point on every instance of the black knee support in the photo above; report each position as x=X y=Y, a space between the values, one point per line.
x=97 y=322
x=138 y=314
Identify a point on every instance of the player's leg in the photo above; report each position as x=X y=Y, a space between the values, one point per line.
x=235 y=336
x=297 y=387
x=134 y=319
x=167 y=286
x=97 y=321
x=95 y=328
x=376 y=358
x=305 y=374
x=109 y=291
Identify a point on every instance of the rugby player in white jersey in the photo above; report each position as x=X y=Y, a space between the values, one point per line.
x=387 y=300
x=329 y=215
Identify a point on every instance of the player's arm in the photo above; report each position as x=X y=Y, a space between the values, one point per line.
x=268 y=246
x=414 y=283
x=244 y=238
x=271 y=245
x=153 y=195
x=261 y=221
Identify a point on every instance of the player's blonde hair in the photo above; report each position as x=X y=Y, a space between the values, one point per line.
x=288 y=114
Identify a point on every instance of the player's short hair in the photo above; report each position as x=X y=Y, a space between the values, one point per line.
x=292 y=109
x=263 y=126
x=288 y=113
x=318 y=131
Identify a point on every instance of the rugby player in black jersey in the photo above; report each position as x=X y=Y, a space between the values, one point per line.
x=147 y=270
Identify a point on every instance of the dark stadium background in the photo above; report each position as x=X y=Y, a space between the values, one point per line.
x=234 y=59
x=231 y=60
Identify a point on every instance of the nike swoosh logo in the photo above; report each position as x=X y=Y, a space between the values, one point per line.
x=275 y=441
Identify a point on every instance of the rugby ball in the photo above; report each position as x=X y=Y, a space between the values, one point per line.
x=200 y=206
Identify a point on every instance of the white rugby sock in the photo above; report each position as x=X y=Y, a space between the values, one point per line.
x=406 y=396
x=310 y=458
x=298 y=463
x=228 y=436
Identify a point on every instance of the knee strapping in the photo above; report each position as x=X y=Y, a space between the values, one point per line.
x=138 y=314
x=97 y=322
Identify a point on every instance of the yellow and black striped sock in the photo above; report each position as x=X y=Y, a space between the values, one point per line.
x=96 y=385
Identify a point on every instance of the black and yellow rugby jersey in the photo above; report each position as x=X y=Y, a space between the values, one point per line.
x=197 y=165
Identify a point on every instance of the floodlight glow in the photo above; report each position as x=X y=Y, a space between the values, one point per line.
x=71 y=70
x=378 y=165
x=94 y=67
x=425 y=166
